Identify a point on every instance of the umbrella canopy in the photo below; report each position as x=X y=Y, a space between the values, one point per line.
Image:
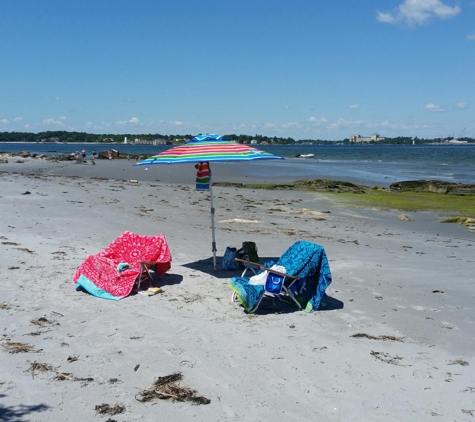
x=209 y=148
x=206 y=149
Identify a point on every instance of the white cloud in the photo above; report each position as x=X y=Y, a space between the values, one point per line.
x=418 y=12
x=388 y=124
x=133 y=121
x=461 y=106
x=53 y=122
x=18 y=119
x=291 y=125
x=354 y=106
x=4 y=121
x=434 y=107
x=177 y=123
x=317 y=120
x=471 y=37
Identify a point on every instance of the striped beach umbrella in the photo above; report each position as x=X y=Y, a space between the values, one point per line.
x=208 y=148
x=202 y=150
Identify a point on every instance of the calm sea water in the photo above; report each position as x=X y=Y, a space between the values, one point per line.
x=379 y=164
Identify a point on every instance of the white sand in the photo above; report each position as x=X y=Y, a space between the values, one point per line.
x=280 y=364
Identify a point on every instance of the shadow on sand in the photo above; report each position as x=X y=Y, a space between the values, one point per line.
x=20 y=413
x=206 y=266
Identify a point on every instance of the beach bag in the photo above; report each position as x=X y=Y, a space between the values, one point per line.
x=248 y=252
x=229 y=262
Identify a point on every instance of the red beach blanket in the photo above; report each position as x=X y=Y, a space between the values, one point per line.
x=99 y=274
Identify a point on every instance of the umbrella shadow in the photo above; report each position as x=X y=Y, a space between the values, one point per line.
x=167 y=279
x=206 y=266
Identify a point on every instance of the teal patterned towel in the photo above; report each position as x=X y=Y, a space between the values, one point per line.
x=249 y=295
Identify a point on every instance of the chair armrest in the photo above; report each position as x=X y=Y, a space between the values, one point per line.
x=265 y=268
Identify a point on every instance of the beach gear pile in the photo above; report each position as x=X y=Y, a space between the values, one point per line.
x=247 y=252
x=116 y=270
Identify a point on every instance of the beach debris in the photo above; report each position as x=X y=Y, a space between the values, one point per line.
x=113 y=380
x=133 y=181
x=385 y=357
x=13 y=268
x=36 y=333
x=59 y=253
x=459 y=362
x=66 y=376
x=14 y=347
x=10 y=244
x=470 y=412
x=381 y=337
x=4 y=305
x=72 y=359
x=42 y=322
x=403 y=217
x=38 y=367
x=137 y=367
x=167 y=388
x=106 y=409
x=26 y=250
x=27 y=192
x=438 y=291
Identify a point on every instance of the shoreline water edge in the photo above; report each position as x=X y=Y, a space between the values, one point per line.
x=392 y=341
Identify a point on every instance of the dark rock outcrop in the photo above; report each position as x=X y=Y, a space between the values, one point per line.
x=434 y=186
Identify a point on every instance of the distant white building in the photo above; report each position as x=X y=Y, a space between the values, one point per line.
x=125 y=139
x=374 y=137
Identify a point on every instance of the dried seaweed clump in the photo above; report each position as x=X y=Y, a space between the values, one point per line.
x=385 y=357
x=167 y=388
x=42 y=322
x=459 y=362
x=107 y=409
x=40 y=367
x=383 y=337
x=12 y=347
x=66 y=376
x=60 y=376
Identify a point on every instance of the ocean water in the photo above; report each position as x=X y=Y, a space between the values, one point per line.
x=374 y=164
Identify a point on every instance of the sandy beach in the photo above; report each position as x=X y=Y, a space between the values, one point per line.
x=394 y=341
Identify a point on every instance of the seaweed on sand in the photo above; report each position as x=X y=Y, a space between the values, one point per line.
x=60 y=376
x=40 y=367
x=42 y=322
x=12 y=347
x=167 y=388
x=107 y=409
x=382 y=337
x=385 y=357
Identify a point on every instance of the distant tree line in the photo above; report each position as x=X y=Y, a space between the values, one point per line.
x=64 y=136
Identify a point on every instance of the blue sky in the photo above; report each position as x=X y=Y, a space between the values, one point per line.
x=294 y=68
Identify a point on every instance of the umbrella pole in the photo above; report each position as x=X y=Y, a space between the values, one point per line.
x=213 y=244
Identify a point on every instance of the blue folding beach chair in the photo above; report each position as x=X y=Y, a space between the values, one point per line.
x=304 y=283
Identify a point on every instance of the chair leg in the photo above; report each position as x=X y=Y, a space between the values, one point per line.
x=141 y=273
x=292 y=296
